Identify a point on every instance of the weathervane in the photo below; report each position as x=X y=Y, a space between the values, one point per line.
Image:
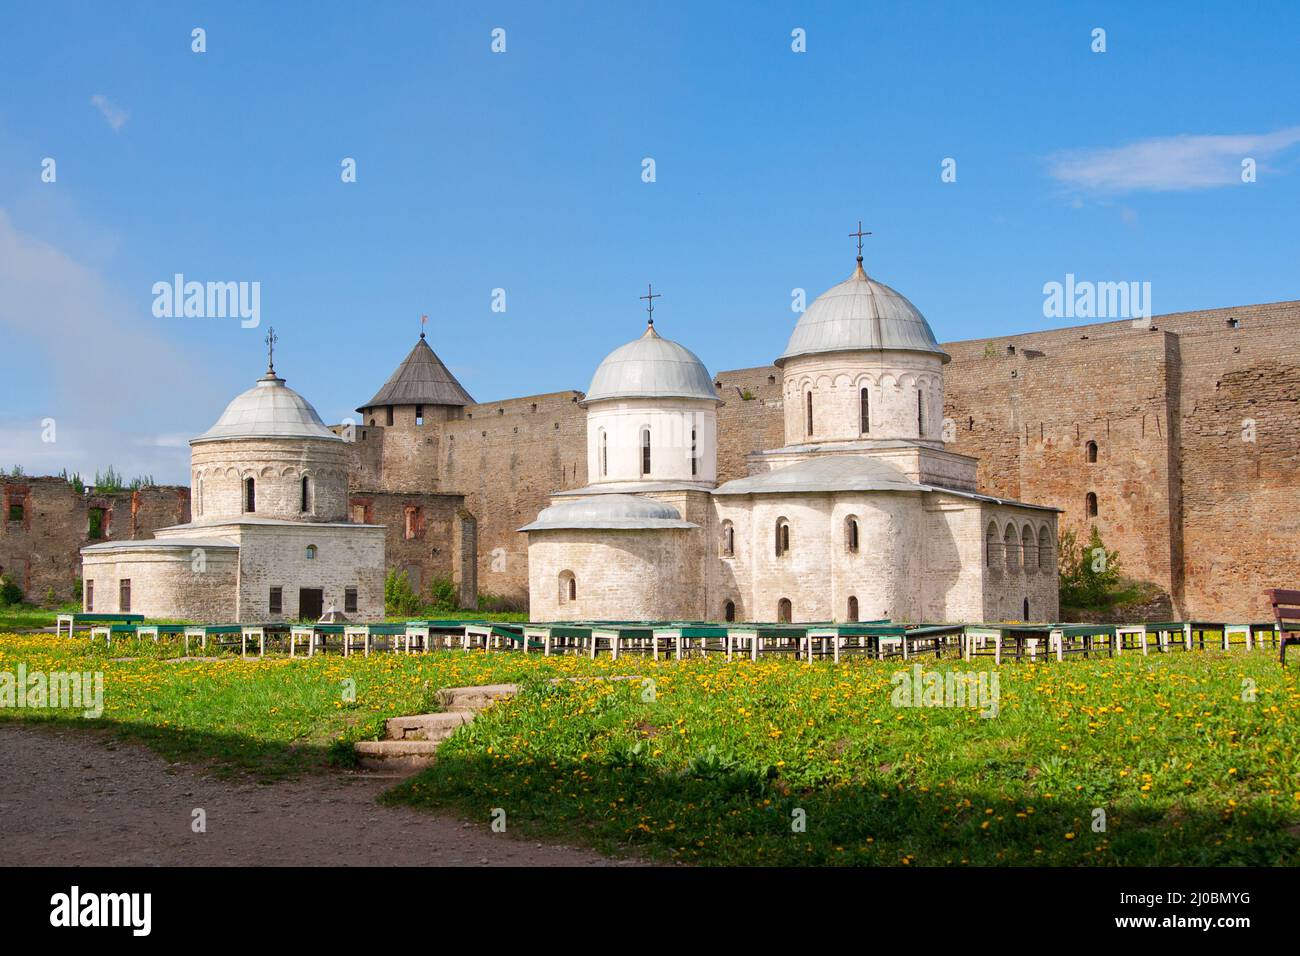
x=860 y=234
x=271 y=339
x=650 y=297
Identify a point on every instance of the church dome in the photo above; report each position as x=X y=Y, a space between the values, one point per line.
x=861 y=314
x=269 y=409
x=609 y=511
x=651 y=367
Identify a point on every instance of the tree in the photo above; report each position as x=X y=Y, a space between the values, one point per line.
x=1089 y=575
x=399 y=598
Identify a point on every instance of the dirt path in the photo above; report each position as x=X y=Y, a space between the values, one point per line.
x=77 y=798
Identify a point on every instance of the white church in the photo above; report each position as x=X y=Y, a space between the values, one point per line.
x=862 y=515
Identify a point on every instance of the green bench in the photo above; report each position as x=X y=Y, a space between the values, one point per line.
x=72 y=620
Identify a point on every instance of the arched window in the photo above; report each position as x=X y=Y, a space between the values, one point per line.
x=1029 y=546
x=920 y=412
x=853 y=608
x=306 y=495
x=568 y=587
x=1091 y=448
x=645 y=451
x=864 y=411
x=1045 y=560
x=851 y=534
x=782 y=537
x=198 y=496
x=1025 y=616
x=808 y=413
x=784 y=611
x=694 y=454
x=311 y=552
x=1090 y=504
x=250 y=494
x=992 y=547
x=1011 y=541
x=604 y=454
x=728 y=539
x=729 y=611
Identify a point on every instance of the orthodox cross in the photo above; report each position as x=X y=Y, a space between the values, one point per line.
x=271 y=339
x=860 y=234
x=650 y=297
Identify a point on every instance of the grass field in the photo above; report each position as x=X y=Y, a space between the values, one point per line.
x=1194 y=758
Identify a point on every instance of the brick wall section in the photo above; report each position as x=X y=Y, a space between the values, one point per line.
x=42 y=550
x=747 y=425
x=431 y=552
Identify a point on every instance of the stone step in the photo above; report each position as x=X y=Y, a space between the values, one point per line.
x=409 y=755
x=433 y=727
x=475 y=698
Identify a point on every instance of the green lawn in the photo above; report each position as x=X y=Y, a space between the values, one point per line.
x=1194 y=758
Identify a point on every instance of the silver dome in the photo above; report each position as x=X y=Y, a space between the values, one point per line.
x=626 y=512
x=651 y=367
x=858 y=315
x=268 y=410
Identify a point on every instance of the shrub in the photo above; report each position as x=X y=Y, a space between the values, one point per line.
x=1090 y=575
x=10 y=593
x=399 y=598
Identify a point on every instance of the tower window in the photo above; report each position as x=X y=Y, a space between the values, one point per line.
x=250 y=495
x=1090 y=503
x=604 y=454
x=851 y=534
x=311 y=552
x=782 y=537
x=694 y=455
x=864 y=411
x=645 y=451
x=1092 y=452
x=729 y=611
x=809 y=414
x=306 y=495
x=390 y=414
x=419 y=414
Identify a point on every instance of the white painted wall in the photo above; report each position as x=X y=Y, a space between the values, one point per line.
x=620 y=423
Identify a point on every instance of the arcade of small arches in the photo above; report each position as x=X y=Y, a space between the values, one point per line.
x=1019 y=548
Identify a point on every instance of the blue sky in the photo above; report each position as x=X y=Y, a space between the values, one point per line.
x=523 y=171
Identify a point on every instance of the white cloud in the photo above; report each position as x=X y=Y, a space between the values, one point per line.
x=114 y=116
x=1169 y=163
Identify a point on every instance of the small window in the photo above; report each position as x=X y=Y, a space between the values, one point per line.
x=124 y=596
x=604 y=454
x=864 y=411
x=1092 y=452
x=90 y=595
x=853 y=608
x=782 y=537
x=306 y=495
x=1234 y=323
x=728 y=539
x=414 y=522
x=250 y=495
x=694 y=454
x=350 y=600
x=311 y=552
x=390 y=415
x=1025 y=616
x=568 y=587
x=851 y=534
x=784 y=611
x=920 y=412
x=1090 y=503
x=276 y=602
x=645 y=451
x=729 y=611
x=808 y=414
x=15 y=511
x=419 y=414
x=95 y=523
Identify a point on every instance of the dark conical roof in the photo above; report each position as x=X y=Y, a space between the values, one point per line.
x=421 y=379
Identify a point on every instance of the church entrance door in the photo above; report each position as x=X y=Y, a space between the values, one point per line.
x=310 y=603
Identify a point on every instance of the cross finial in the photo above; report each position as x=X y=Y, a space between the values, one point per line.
x=860 y=234
x=271 y=339
x=650 y=297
